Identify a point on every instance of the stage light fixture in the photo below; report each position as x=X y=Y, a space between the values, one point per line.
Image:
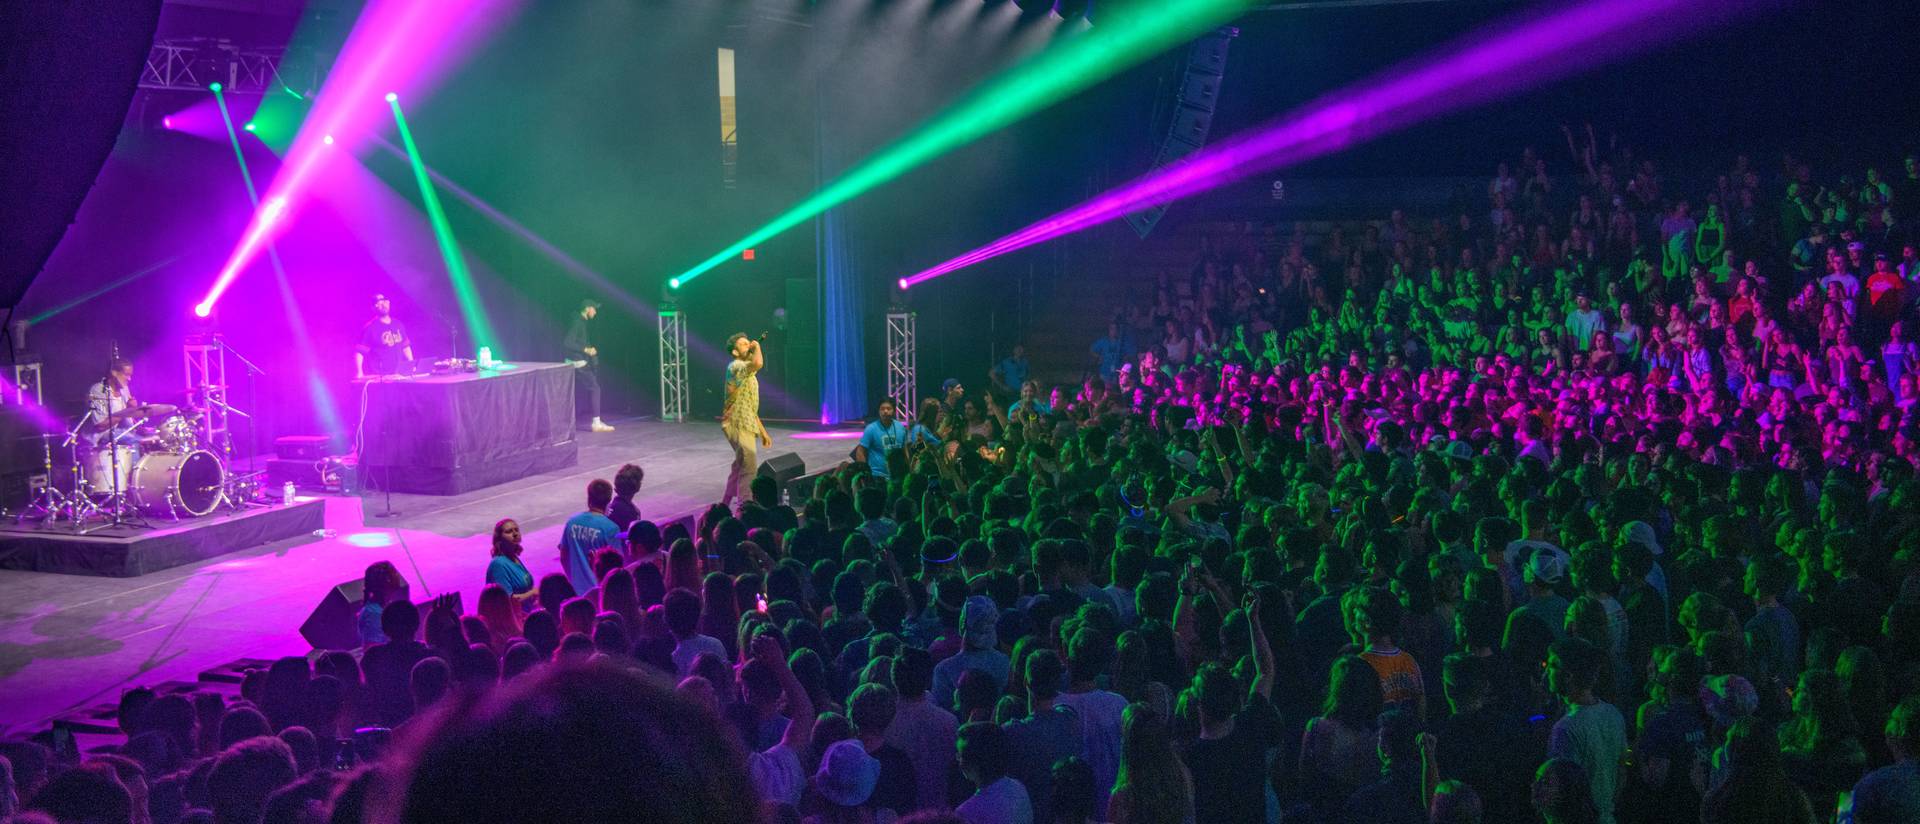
x=327 y=140
x=215 y=86
x=393 y=97
x=166 y=122
x=248 y=127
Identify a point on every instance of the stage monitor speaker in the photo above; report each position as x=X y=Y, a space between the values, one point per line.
x=301 y=447
x=801 y=489
x=783 y=468
x=334 y=624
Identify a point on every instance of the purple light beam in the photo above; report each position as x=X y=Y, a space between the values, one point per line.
x=396 y=45
x=1515 y=56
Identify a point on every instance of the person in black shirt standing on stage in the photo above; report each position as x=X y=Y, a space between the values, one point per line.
x=581 y=351
x=384 y=345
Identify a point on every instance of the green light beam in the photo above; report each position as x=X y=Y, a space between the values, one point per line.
x=1002 y=100
x=44 y=316
x=233 y=137
x=478 y=329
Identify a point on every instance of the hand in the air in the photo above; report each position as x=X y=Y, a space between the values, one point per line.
x=766 y=649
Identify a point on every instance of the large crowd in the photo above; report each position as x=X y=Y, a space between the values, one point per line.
x=1589 y=501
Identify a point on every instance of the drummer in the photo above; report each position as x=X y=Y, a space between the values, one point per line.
x=113 y=412
x=111 y=401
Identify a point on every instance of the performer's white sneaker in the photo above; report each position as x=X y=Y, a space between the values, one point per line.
x=601 y=426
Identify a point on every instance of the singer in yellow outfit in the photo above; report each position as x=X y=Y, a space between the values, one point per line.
x=740 y=421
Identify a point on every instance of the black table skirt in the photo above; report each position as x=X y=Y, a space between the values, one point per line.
x=449 y=434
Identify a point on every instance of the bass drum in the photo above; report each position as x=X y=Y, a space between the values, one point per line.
x=176 y=484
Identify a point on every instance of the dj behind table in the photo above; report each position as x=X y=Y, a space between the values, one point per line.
x=457 y=431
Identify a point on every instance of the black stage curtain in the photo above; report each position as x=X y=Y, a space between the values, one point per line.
x=68 y=70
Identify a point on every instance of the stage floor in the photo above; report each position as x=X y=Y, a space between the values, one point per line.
x=68 y=642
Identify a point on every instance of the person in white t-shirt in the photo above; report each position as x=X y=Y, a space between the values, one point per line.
x=777 y=771
x=1088 y=653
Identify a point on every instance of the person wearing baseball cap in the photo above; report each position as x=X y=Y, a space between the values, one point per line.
x=384 y=347
x=582 y=352
x=979 y=630
x=1542 y=619
x=951 y=393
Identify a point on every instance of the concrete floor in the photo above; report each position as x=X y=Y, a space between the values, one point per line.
x=69 y=642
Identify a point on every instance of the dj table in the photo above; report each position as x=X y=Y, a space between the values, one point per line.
x=454 y=433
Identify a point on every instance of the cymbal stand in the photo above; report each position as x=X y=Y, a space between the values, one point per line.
x=48 y=505
x=80 y=503
x=119 y=511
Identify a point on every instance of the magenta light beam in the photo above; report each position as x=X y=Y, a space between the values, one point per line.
x=395 y=45
x=1519 y=55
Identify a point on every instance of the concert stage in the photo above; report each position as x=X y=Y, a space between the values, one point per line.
x=69 y=642
x=127 y=551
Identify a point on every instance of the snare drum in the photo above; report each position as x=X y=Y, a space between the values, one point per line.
x=176 y=484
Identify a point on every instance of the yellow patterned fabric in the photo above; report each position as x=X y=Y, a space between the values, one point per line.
x=742 y=412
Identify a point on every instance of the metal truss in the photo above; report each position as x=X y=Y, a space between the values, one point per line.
x=26 y=385
x=902 y=361
x=190 y=64
x=673 y=364
x=206 y=370
x=172 y=66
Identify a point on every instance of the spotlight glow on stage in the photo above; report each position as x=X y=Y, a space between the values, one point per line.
x=393 y=97
x=1033 y=84
x=1517 y=56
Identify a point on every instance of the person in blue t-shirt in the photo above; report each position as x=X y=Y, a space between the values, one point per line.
x=1011 y=372
x=1110 y=352
x=881 y=437
x=585 y=534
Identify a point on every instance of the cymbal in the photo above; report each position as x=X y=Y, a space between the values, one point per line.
x=151 y=410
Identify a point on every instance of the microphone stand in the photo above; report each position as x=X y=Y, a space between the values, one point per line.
x=253 y=400
x=386 y=484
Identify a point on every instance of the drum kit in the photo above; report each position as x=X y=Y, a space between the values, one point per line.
x=154 y=465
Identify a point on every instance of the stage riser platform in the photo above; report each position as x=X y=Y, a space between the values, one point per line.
x=125 y=553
